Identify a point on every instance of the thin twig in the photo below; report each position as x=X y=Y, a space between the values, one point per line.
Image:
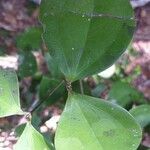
x=47 y=96
x=81 y=87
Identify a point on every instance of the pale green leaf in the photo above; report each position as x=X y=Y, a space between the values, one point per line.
x=141 y=114
x=93 y=124
x=31 y=139
x=9 y=94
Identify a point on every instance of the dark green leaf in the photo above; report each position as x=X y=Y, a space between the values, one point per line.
x=93 y=124
x=9 y=94
x=53 y=66
x=2 y=51
x=123 y=94
x=141 y=114
x=77 y=87
x=141 y=147
x=87 y=36
x=27 y=64
x=19 y=130
x=47 y=85
x=31 y=139
x=30 y=39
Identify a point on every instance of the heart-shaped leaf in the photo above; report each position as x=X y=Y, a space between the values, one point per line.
x=9 y=94
x=93 y=124
x=31 y=139
x=86 y=36
x=141 y=114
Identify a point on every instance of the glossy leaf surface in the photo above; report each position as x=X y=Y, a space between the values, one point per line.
x=9 y=94
x=93 y=124
x=87 y=36
x=141 y=114
x=31 y=139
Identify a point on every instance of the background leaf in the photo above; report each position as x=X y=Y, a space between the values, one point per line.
x=76 y=87
x=123 y=94
x=27 y=64
x=87 y=36
x=98 y=90
x=9 y=94
x=31 y=139
x=30 y=39
x=89 y=123
x=47 y=85
x=141 y=114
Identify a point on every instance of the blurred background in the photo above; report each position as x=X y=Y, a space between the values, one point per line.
x=126 y=83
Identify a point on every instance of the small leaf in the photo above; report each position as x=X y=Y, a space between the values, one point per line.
x=141 y=114
x=47 y=85
x=93 y=124
x=30 y=39
x=9 y=94
x=123 y=94
x=31 y=139
x=27 y=64
x=87 y=36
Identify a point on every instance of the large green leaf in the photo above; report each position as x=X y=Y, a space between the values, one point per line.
x=93 y=124
x=86 y=36
x=31 y=139
x=141 y=114
x=9 y=93
x=123 y=94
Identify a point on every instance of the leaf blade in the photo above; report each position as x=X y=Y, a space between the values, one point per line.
x=89 y=123
x=31 y=139
x=141 y=114
x=9 y=94
x=73 y=30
